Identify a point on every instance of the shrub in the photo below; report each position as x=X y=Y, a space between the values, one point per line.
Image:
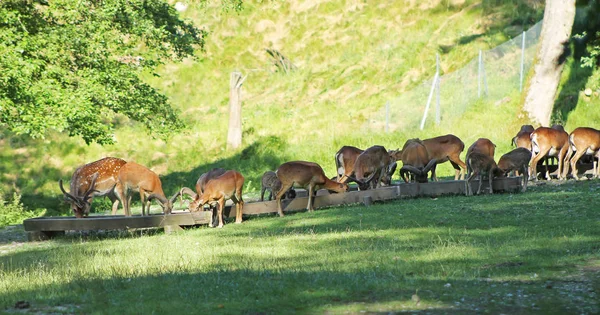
x=13 y=212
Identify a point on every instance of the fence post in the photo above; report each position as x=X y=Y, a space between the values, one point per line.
x=437 y=107
x=479 y=75
x=433 y=84
x=522 y=62
x=387 y=116
x=234 y=134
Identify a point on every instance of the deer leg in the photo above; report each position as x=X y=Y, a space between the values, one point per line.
x=560 y=162
x=280 y=193
x=115 y=203
x=534 y=161
x=566 y=162
x=469 y=190
x=239 y=205
x=220 y=207
x=490 y=178
x=143 y=200
x=262 y=193
x=574 y=159
x=480 y=179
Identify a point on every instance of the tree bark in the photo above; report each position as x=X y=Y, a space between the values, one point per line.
x=559 y=16
x=234 y=134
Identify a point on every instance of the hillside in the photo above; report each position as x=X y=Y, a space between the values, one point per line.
x=351 y=57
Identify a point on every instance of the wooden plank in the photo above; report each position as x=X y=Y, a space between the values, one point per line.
x=114 y=222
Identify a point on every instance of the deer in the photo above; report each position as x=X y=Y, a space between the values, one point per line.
x=200 y=184
x=271 y=183
x=523 y=137
x=229 y=185
x=91 y=180
x=416 y=161
x=304 y=174
x=548 y=142
x=373 y=162
x=480 y=164
x=446 y=148
x=345 y=158
x=516 y=160
x=582 y=141
x=135 y=177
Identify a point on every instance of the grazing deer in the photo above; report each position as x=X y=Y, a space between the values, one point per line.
x=523 y=137
x=516 y=160
x=136 y=177
x=374 y=162
x=548 y=142
x=345 y=158
x=200 y=184
x=227 y=186
x=416 y=161
x=271 y=183
x=91 y=180
x=304 y=174
x=582 y=141
x=484 y=146
x=446 y=148
x=480 y=164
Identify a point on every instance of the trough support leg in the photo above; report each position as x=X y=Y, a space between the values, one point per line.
x=170 y=229
x=35 y=236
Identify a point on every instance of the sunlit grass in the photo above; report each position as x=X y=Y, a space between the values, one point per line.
x=466 y=254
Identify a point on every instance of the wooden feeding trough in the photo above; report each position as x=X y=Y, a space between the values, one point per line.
x=47 y=227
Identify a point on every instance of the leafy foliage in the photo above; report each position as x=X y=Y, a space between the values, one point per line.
x=13 y=212
x=73 y=65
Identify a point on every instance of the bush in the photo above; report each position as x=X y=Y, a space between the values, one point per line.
x=13 y=212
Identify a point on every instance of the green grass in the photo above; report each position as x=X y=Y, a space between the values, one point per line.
x=535 y=252
x=349 y=65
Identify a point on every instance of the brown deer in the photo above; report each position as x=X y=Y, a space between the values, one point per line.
x=345 y=158
x=582 y=141
x=200 y=184
x=270 y=182
x=446 y=148
x=416 y=161
x=227 y=186
x=374 y=163
x=548 y=142
x=523 y=137
x=304 y=174
x=484 y=146
x=516 y=160
x=136 y=177
x=91 y=180
x=480 y=164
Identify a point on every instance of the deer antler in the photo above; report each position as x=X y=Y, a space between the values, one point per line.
x=67 y=195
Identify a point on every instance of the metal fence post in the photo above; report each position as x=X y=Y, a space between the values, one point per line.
x=479 y=76
x=522 y=62
x=437 y=107
x=387 y=116
x=435 y=78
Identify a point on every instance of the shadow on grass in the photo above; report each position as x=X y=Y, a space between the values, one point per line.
x=501 y=254
x=509 y=18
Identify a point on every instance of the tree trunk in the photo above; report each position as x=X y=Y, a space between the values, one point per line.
x=234 y=135
x=559 y=16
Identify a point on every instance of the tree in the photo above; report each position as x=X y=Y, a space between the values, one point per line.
x=73 y=65
x=559 y=16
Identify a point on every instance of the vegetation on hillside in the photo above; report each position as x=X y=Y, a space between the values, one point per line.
x=351 y=56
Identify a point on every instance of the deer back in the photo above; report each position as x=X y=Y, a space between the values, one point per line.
x=545 y=137
x=224 y=186
x=441 y=147
x=205 y=177
x=135 y=176
x=372 y=159
x=483 y=146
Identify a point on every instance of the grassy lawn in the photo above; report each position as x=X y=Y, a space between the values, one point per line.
x=535 y=252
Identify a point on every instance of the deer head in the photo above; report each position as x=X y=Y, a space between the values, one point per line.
x=80 y=204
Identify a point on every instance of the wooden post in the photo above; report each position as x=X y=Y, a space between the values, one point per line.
x=234 y=135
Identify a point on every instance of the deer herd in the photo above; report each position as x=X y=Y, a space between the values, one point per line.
x=371 y=168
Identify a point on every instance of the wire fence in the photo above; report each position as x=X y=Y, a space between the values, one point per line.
x=493 y=75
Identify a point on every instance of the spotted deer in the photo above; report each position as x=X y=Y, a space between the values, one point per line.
x=91 y=180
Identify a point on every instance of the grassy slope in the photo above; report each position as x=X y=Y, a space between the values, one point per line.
x=352 y=56
x=535 y=252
